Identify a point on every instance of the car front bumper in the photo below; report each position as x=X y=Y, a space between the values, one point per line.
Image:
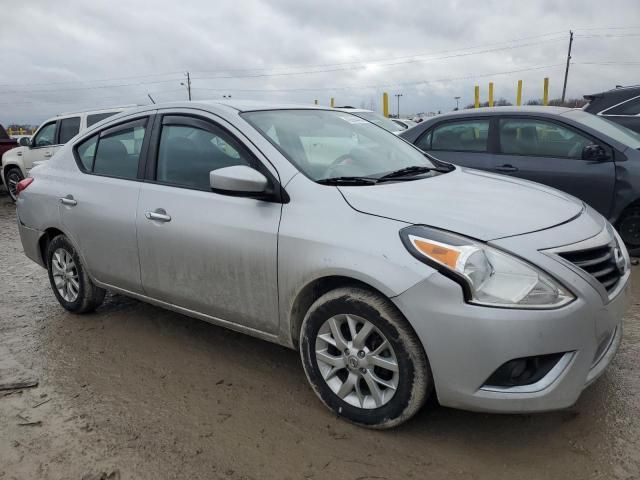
x=466 y=343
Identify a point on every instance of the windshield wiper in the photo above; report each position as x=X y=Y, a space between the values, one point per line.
x=406 y=172
x=348 y=181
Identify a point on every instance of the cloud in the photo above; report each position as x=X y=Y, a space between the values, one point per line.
x=58 y=58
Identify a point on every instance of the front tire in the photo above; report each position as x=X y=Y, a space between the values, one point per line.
x=69 y=281
x=363 y=360
x=12 y=177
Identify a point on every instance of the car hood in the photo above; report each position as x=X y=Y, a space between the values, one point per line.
x=477 y=204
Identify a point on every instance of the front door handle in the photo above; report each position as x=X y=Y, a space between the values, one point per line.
x=159 y=215
x=69 y=201
x=505 y=168
x=48 y=155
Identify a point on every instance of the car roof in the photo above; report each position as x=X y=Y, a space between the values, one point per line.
x=90 y=112
x=507 y=110
x=604 y=100
x=245 y=105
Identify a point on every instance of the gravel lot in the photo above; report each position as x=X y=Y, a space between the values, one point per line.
x=136 y=392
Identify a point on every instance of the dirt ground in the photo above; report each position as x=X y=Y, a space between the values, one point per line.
x=136 y=392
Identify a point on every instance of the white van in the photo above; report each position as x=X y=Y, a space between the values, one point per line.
x=49 y=137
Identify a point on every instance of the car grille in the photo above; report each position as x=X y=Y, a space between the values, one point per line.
x=600 y=262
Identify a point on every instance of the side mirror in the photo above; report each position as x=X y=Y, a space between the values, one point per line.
x=238 y=180
x=594 y=152
x=25 y=142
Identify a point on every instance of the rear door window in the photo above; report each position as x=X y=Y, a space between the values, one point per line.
x=69 y=128
x=539 y=138
x=630 y=107
x=87 y=152
x=461 y=136
x=118 y=150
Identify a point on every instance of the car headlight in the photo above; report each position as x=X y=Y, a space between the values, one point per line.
x=487 y=275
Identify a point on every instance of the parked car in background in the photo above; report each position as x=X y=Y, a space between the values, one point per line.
x=582 y=154
x=620 y=105
x=6 y=142
x=404 y=122
x=374 y=117
x=23 y=140
x=395 y=275
x=47 y=139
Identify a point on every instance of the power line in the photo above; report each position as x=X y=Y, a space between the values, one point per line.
x=353 y=67
x=358 y=67
x=396 y=60
x=90 y=80
x=389 y=85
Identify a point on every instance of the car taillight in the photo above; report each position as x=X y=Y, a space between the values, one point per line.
x=23 y=184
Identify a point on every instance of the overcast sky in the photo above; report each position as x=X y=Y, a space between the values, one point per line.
x=68 y=55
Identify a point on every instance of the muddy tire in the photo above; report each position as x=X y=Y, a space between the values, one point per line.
x=69 y=281
x=363 y=359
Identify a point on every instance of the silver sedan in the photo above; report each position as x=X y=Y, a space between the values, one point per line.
x=396 y=276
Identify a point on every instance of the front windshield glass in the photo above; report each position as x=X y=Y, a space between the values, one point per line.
x=379 y=120
x=617 y=132
x=328 y=144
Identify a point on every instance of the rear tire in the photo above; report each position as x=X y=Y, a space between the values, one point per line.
x=69 y=280
x=363 y=360
x=629 y=227
x=12 y=176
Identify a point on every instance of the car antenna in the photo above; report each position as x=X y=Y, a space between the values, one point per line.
x=151 y=98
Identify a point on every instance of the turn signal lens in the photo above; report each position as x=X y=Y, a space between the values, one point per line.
x=437 y=251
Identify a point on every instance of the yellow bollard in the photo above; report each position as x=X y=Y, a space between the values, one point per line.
x=385 y=104
x=332 y=102
x=491 y=94
x=519 y=94
x=545 y=93
x=477 y=96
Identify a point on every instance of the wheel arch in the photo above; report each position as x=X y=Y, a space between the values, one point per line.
x=44 y=241
x=317 y=287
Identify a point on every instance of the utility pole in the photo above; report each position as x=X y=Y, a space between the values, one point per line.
x=188 y=85
x=566 y=72
x=457 y=104
x=398 y=95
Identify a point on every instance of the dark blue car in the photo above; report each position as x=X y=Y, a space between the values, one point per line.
x=580 y=153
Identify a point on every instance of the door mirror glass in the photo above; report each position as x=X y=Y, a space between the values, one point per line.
x=594 y=152
x=24 y=142
x=239 y=180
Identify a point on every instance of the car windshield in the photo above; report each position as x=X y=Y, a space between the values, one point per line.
x=379 y=120
x=327 y=144
x=617 y=132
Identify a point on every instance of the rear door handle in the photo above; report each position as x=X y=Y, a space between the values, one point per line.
x=68 y=201
x=505 y=168
x=159 y=215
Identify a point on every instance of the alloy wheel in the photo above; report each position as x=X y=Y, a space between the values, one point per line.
x=65 y=275
x=13 y=178
x=356 y=361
